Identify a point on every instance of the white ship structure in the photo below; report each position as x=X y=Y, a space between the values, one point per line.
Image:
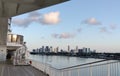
x=16 y=49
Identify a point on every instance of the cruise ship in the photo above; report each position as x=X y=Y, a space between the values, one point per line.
x=16 y=48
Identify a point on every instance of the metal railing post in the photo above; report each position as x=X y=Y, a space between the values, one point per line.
x=62 y=73
x=90 y=70
x=69 y=73
x=78 y=72
x=108 y=68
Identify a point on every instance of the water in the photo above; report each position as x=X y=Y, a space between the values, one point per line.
x=62 y=61
x=101 y=69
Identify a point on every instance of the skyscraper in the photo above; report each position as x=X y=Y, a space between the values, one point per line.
x=68 y=48
x=76 y=49
x=84 y=50
x=57 y=49
x=47 y=49
x=43 y=50
x=51 y=49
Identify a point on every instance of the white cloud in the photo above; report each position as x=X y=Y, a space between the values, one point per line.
x=104 y=30
x=92 y=21
x=113 y=26
x=21 y=22
x=63 y=35
x=34 y=16
x=51 y=18
x=55 y=35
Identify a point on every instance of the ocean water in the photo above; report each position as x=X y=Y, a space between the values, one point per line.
x=62 y=61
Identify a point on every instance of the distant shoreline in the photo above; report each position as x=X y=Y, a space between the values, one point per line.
x=113 y=56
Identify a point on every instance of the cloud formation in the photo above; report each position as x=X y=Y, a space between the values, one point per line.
x=63 y=36
x=104 y=30
x=113 y=26
x=51 y=18
x=92 y=21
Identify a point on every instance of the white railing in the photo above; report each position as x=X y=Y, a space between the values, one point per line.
x=100 y=68
x=46 y=68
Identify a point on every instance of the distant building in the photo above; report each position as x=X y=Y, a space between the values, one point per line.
x=84 y=50
x=51 y=49
x=57 y=49
x=72 y=51
x=61 y=51
x=33 y=50
x=68 y=48
x=94 y=51
x=47 y=49
x=80 y=50
x=43 y=49
x=76 y=49
x=88 y=50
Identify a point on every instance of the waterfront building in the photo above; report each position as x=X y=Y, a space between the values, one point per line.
x=80 y=50
x=57 y=49
x=84 y=50
x=88 y=50
x=72 y=51
x=76 y=49
x=47 y=49
x=43 y=50
x=68 y=48
x=51 y=49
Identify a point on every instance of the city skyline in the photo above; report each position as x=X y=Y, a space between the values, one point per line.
x=57 y=49
x=93 y=24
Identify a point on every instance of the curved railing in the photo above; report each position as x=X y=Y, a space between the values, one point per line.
x=98 y=68
x=20 y=56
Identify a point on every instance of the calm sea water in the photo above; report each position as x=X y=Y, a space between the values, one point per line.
x=66 y=61
x=62 y=61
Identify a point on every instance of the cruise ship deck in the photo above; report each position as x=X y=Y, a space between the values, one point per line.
x=7 y=69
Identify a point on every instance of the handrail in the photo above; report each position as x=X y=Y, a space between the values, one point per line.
x=78 y=67
x=52 y=71
x=84 y=64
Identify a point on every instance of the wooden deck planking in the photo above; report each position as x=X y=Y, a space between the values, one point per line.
x=7 y=69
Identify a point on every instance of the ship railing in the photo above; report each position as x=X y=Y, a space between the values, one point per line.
x=98 y=68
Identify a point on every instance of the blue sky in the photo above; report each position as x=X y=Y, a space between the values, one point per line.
x=86 y=23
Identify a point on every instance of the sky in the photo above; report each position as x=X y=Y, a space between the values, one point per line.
x=84 y=23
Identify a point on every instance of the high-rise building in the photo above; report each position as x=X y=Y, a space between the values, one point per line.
x=43 y=50
x=88 y=50
x=68 y=48
x=84 y=50
x=76 y=49
x=47 y=49
x=51 y=49
x=57 y=49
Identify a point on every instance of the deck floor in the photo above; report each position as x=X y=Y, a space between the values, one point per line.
x=7 y=69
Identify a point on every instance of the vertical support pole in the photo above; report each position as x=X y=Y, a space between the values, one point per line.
x=69 y=73
x=78 y=72
x=62 y=72
x=108 y=68
x=3 y=37
x=90 y=70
